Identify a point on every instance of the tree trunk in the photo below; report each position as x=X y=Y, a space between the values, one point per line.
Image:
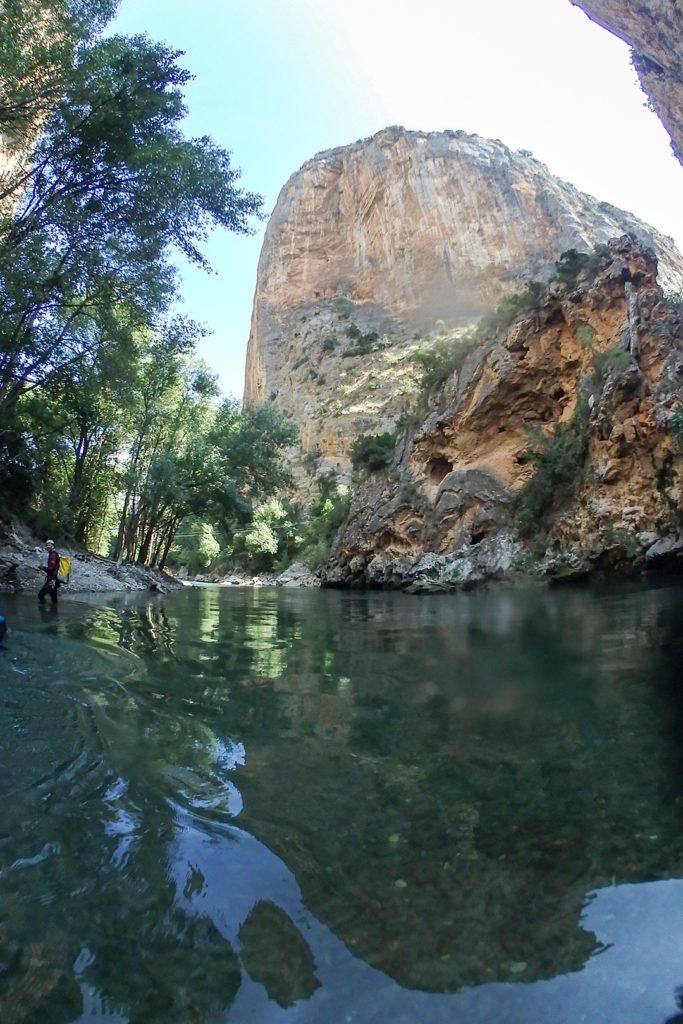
x=169 y=540
x=146 y=544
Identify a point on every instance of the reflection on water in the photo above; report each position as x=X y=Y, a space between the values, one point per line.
x=269 y=806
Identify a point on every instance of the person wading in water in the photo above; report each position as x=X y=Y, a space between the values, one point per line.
x=51 y=569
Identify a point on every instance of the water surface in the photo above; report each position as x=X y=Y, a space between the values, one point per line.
x=280 y=806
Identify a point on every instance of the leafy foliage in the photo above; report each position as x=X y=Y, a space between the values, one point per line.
x=610 y=359
x=362 y=343
x=113 y=186
x=438 y=361
x=248 y=458
x=509 y=309
x=271 y=538
x=37 y=46
x=344 y=308
x=373 y=451
x=586 y=335
x=110 y=429
x=557 y=458
x=325 y=517
x=195 y=547
x=573 y=265
x=675 y=301
x=676 y=425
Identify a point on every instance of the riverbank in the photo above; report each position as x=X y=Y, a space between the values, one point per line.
x=296 y=575
x=21 y=554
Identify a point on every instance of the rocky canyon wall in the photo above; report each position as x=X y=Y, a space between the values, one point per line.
x=654 y=31
x=377 y=248
x=550 y=450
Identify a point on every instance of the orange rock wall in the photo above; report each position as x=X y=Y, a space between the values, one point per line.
x=463 y=468
x=401 y=236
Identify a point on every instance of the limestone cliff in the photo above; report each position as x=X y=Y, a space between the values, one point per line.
x=654 y=30
x=550 y=450
x=377 y=247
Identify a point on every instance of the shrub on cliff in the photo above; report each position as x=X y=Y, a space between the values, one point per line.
x=573 y=264
x=676 y=425
x=609 y=360
x=362 y=343
x=325 y=517
x=675 y=301
x=438 y=361
x=557 y=458
x=344 y=308
x=509 y=309
x=373 y=452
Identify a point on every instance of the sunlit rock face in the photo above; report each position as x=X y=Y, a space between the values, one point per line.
x=655 y=32
x=376 y=246
x=601 y=359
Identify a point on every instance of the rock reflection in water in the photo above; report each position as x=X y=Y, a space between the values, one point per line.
x=632 y=978
x=426 y=790
x=275 y=954
x=447 y=809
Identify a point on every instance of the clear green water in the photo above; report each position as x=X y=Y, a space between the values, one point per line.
x=282 y=806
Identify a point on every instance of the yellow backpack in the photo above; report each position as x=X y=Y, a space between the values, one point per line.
x=64 y=570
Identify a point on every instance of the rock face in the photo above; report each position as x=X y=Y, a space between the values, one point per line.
x=375 y=247
x=590 y=380
x=654 y=30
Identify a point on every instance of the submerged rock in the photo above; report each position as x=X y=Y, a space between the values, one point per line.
x=297 y=575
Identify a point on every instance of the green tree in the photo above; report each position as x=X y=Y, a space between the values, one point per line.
x=248 y=461
x=38 y=41
x=112 y=188
x=558 y=458
x=325 y=516
x=442 y=358
x=195 y=547
x=168 y=459
x=91 y=408
x=373 y=452
x=272 y=534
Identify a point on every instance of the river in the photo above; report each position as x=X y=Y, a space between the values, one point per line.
x=266 y=806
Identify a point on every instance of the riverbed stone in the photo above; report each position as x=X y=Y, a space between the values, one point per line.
x=297 y=575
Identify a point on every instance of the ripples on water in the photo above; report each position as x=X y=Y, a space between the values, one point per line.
x=272 y=806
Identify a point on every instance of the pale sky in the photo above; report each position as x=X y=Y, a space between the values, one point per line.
x=280 y=80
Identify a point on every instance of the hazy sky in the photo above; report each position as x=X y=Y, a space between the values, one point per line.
x=280 y=80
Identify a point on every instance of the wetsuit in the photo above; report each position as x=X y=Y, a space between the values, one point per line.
x=51 y=582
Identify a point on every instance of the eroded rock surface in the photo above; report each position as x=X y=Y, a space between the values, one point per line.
x=603 y=362
x=373 y=248
x=654 y=30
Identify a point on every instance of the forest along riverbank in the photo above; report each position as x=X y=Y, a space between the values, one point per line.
x=21 y=554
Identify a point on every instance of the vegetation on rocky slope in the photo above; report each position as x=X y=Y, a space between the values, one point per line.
x=555 y=448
